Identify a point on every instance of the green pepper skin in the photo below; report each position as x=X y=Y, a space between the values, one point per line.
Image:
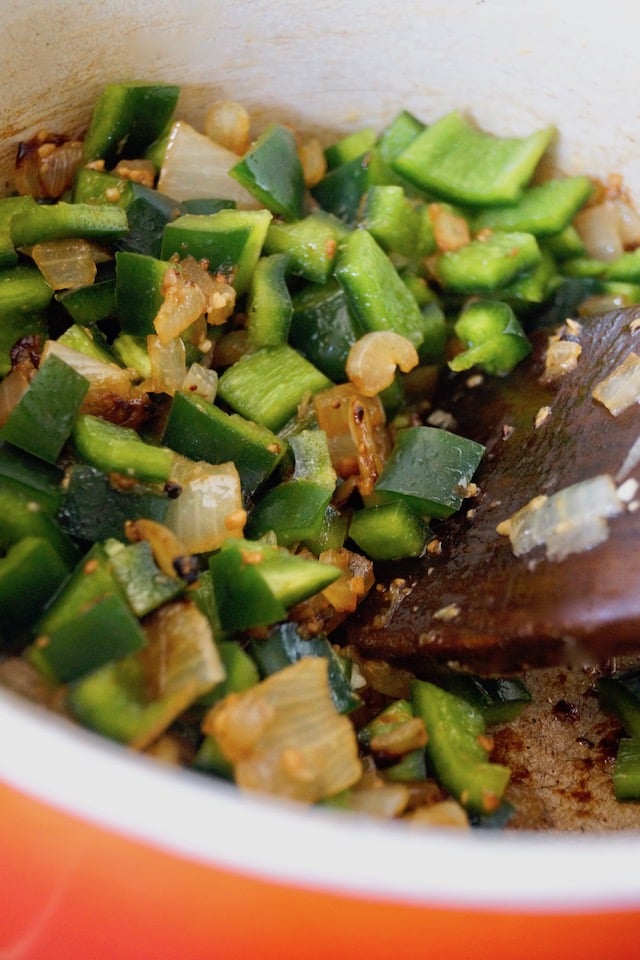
x=310 y=244
x=293 y=511
x=494 y=338
x=105 y=630
x=95 y=509
x=271 y=171
x=429 y=467
x=127 y=118
x=377 y=296
x=323 y=328
x=42 y=420
x=626 y=772
x=115 y=449
x=255 y=584
x=144 y=584
x=487 y=264
x=456 y=748
x=269 y=307
x=24 y=297
x=544 y=209
x=453 y=160
x=267 y=385
x=29 y=574
x=620 y=693
x=231 y=241
x=390 y=531
x=201 y=431
x=62 y=220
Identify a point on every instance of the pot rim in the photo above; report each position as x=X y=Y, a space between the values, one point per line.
x=100 y=782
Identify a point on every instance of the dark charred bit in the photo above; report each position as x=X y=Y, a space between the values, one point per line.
x=566 y=711
x=26 y=352
x=187 y=568
x=172 y=489
x=133 y=410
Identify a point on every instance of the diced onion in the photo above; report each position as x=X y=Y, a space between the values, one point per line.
x=631 y=460
x=195 y=167
x=101 y=375
x=183 y=304
x=572 y=520
x=601 y=229
x=399 y=738
x=227 y=122
x=284 y=735
x=179 y=663
x=445 y=813
x=209 y=508
x=313 y=160
x=386 y=800
x=65 y=264
x=190 y=293
x=201 y=381
x=561 y=358
x=168 y=365
x=12 y=389
x=621 y=389
x=451 y=231
x=46 y=166
x=373 y=359
x=355 y=429
x=347 y=591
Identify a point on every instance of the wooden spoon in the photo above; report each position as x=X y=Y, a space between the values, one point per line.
x=477 y=604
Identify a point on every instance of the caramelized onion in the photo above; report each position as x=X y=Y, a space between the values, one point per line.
x=227 y=122
x=65 y=264
x=46 y=165
x=284 y=735
x=373 y=359
x=195 y=166
x=621 y=389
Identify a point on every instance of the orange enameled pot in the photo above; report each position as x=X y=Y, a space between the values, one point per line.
x=107 y=855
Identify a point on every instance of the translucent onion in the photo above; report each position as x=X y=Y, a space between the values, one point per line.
x=384 y=800
x=621 y=389
x=373 y=359
x=168 y=365
x=194 y=167
x=601 y=230
x=451 y=231
x=445 y=813
x=356 y=433
x=179 y=663
x=184 y=303
x=572 y=520
x=12 y=389
x=313 y=160
x=347 y=591
x=227 y=122
x=46 y=166
x=285 y=737
x=209 y=508
x=101 y=375
x=201 y=381
x=65 y=264
x=400 y=738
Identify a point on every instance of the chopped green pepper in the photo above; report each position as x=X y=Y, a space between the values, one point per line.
x=271 y=171
x=431 y=469
x=457 y=749
x=42 y=420
x=454 y=160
